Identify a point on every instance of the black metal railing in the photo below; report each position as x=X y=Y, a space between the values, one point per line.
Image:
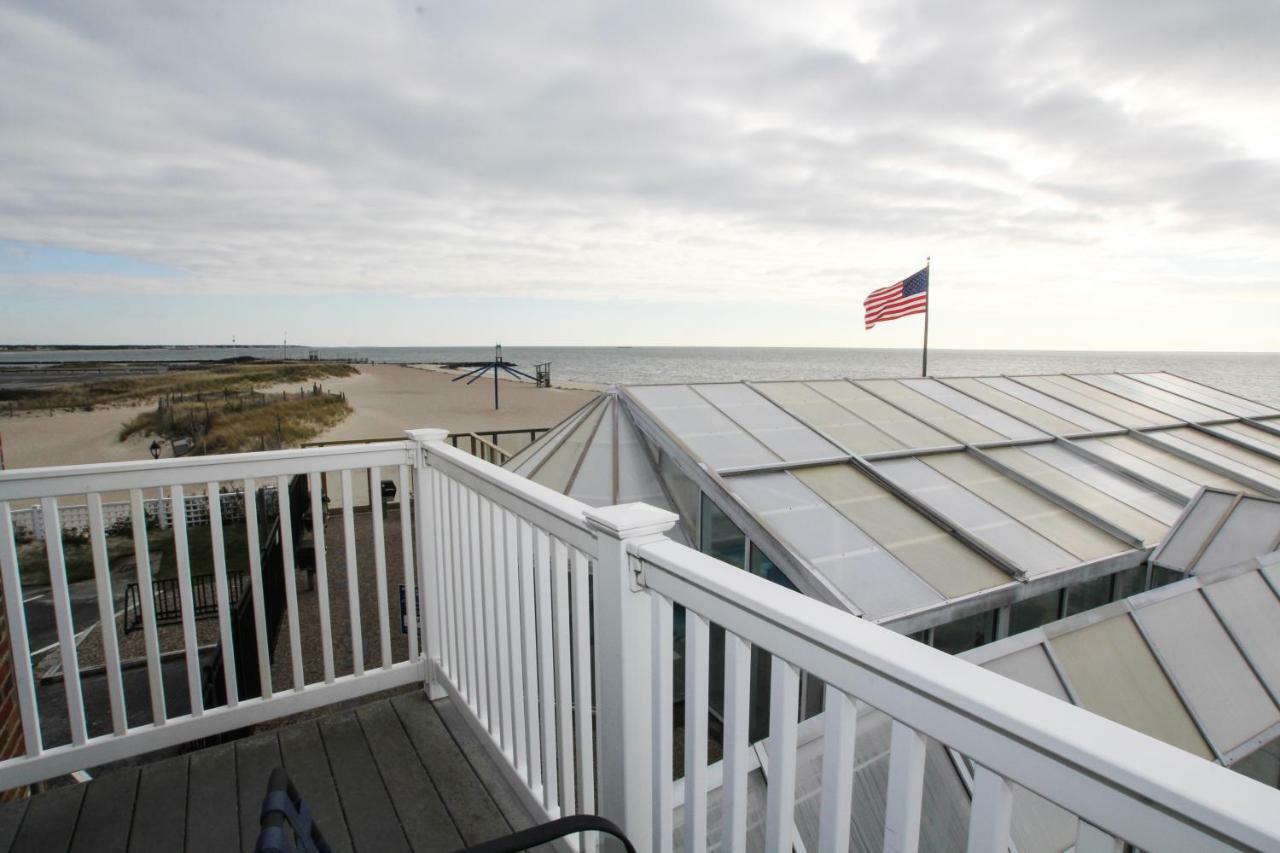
x=168 y=600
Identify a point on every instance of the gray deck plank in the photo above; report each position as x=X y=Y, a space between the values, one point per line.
x=371 y=819
x=256 y=757
x=160 y=808
x=106 y=815
x=11 y=815
x=474 y=812
x=307 y=764
x=50 y=820
x=423 y=817
x=213 y=807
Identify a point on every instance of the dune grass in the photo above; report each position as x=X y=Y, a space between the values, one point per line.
x=232 y=426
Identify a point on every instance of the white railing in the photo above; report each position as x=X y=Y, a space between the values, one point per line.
x=551 y=623
x=74 y=518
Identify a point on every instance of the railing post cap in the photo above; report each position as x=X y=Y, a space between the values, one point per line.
x=627 y=520
x=427 y=434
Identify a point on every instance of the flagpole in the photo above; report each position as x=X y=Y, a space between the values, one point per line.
x=924 y=362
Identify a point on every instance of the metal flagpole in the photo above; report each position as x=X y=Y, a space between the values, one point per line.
x=924 y=363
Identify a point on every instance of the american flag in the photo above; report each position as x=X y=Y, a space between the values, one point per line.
x=907 y=297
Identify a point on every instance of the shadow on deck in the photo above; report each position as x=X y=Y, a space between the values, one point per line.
x=396 y=774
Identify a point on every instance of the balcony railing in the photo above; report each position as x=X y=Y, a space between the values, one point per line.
x=552 y=624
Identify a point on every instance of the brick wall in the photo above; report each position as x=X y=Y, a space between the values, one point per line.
x=10 y=719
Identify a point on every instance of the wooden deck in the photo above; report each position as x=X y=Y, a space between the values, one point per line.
x=397 y=774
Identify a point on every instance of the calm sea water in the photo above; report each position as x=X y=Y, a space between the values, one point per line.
x=1253 y=375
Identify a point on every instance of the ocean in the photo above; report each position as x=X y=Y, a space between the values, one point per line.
x=1252 y=375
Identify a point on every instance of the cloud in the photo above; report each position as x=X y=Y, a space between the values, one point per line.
x=654 y=151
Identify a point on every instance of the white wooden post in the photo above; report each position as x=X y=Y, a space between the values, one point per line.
x=429 y=615
x=624 y=668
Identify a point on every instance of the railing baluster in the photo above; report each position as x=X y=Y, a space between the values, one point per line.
x=737 y=720
x=449 y=606
x=529 y=642
x=583 y=671
x=991 y=812
x=146 y=598
x=1090 y=839
x=316 y=486
x=784 y=707
x=353 y=576
x=407 y=561
x=511 y=580
x=213 y=491
x=906 y=785
x=564 y=683
x=255 y=583
x=285 y=507
x=546 y=672
x=663 y=712
x=19 y=647
x=458 y=610
x=489 y=630
x=186 y=602
x=697 y=676
x=502 y=589
x=62 y=612
x=838 y=740
x=380 y=565
x=475 y=578
x=106 y=614
x=466 y=521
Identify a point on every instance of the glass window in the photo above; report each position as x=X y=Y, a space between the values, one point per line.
x=1129 y=582
x=1088 y=595
x=954 y=424
x=826 y=415
x=1034 y=612
x=721 y=538
x=1164 y=577
x=967 y=633
x=683 y=491
x=767 y=423
x=761 y=565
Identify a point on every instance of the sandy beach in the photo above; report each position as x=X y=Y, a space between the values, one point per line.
x=387 y=399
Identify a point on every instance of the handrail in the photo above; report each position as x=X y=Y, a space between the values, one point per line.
x=1143 y=790
x=493 y=450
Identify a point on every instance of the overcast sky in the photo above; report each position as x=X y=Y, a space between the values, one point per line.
x=1086 y=175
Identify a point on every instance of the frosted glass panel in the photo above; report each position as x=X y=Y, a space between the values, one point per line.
x=1150 y=503
x=557 y=469
x=1252 y=612
x=959 y=427
x=1001 y=400
x=712 y=436
x=827 y=416
x=1256 y=438
x=1018 y=543
x=774 y=428
x=1040 y=400
x=875 y=581
x=593 y=483
x=531 y=457
x=1075 y=394
x=1189 y=536
x=1155 y=398
x=1209 y=396
x=1177 y=440
x=909 y=430
x=1116 y=401
x=1171 y=462
x=1114 y=674
x=992 y=419
x=1030 y=666
x=1252 y=529
x=1214 y=678
x=946 y=564
x=1223 y=447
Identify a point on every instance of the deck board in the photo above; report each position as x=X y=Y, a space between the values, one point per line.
x=106 y=814
x=389 y=775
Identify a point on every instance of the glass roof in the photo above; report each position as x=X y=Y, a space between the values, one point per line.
x=1220 y=529
x=897 y=497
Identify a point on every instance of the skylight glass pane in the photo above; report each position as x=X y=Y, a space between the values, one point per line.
x=1223 y=447
x=780 y=432
x=1085 y=419
x=1075 y=395
x=992 y=419
x=1072 y=533
x=944 y=563
x=593 y=483
x=1252 y=529
x=637 y=474
x=1252 y=613
x=530 y=457
x=894 y=422
x=1114 y=674
x=1156 y=398
x=556 y=470
x=1030 y=666
x=1179 y=440
x=1093 y=488
x=1225 y=694
x=1255 y=437
x=827 y=416
x=1114 y=400
x=1219 y=399
x=875 y=581
x=1189 y=536
x=707 y=432
x=999 y=399
x=1022 y=546
x=1160 y=459
x=952 y=423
